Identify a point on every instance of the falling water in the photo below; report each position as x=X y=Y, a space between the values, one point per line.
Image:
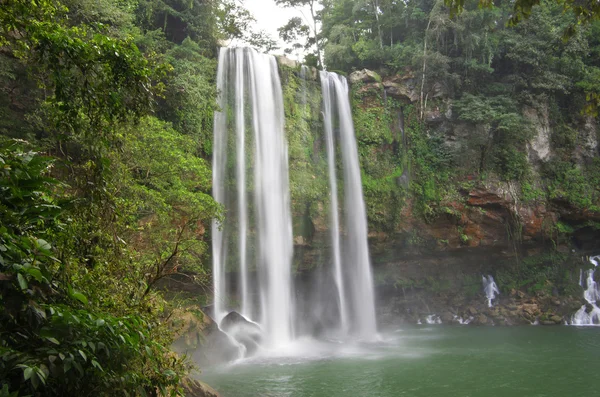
x=352 y=271
x=251 y=105
x=490 y=289
x=304 y=71
x=335 y=222
x=592 y=295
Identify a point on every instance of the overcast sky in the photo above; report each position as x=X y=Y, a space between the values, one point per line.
x=270 y=17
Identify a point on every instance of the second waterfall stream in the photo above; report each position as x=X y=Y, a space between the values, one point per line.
x=253 y=246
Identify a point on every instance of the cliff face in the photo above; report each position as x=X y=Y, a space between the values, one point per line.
x=449 y=196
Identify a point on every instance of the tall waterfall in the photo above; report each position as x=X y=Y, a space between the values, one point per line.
x=251 y=181
x=251 y=120
x=352 y=271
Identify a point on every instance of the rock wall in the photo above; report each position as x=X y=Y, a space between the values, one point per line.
x=429 y=236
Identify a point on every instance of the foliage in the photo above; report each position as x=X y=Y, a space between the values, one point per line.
x=54 y=341
x=121 y=201
x=541 y=275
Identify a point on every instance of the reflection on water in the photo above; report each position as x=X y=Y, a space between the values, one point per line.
x=423 y=361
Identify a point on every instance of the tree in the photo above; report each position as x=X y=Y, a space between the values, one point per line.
x=584 y=11
x=314 y=38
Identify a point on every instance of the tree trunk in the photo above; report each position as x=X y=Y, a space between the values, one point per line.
x=376 y=10
x=315 y=32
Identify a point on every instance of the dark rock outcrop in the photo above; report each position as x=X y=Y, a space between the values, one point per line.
x=243 y=331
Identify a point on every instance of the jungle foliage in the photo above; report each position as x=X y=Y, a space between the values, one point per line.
x=497 y=78
x=106 y=112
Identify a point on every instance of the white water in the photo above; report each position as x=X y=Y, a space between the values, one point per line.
x=250 y=94
x=334 y=207
x=591 y=294
x=490 y=289
x=251 y=181
x=355 y=285
x=433 y=319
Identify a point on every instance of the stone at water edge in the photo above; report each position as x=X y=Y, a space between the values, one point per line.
x=556 y=319
x=207 y=345
x=245 y=332
x=195 y=388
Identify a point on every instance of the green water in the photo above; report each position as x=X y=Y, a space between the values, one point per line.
x=428 y=361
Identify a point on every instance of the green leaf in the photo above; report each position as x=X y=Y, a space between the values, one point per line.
x=96 y=364
x=22 y=281
x=83 y=355
x=27 y=373
x=35 y=273
x=43 y=245
x=53 y=340
x=79 y=296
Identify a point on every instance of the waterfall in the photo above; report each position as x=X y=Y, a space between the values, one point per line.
x=335 y=223
x=251 y=182
x=352 y=272
x=490 y=289
x=591 y=294
x=251 y=120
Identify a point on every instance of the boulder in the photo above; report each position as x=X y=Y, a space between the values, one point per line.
x=364 y=76
x=447 y=317
x=556 y=319
x=481 y=320
x=208 y=346
x=195 y=388
x=243 y=331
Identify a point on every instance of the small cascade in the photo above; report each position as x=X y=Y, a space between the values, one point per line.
x=591 y=294
x=462 y=321
x=490 y=289
x=250 y=128
x=304 y=74
x=352 y=271
x=433 y=319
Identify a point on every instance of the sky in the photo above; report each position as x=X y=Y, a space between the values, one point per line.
x=270 y=17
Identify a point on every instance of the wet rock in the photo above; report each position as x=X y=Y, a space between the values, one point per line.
x=531 y=309
x=481 y=320
x=243 y=331
x=556 y=319
x=433 y=116
x=472 y=311
x=195 y=388
x=447 y=317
